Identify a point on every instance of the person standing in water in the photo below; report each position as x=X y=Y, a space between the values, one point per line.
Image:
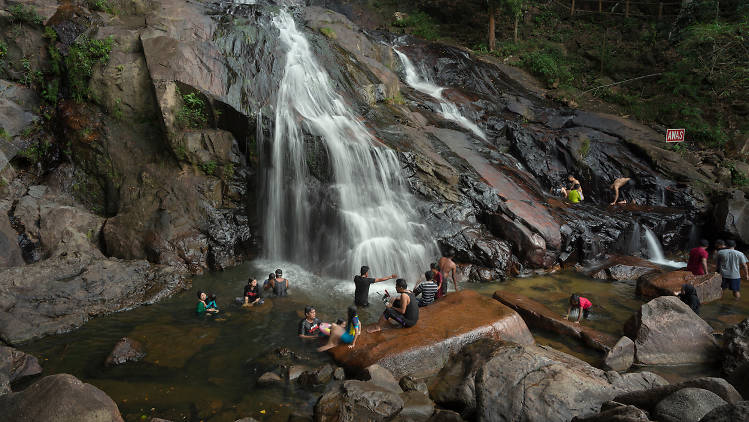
x=403 y=310
x=623 y=187
x=362 y=283
x=447 y=270
x=729 y=265
x=697 y=263
x=279 y=285
x=436 y=278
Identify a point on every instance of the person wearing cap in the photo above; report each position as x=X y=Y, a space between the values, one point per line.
x=279 y=285
x=362 y=283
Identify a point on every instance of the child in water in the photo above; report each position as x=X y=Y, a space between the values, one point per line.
x=211 y=303
x=202 y=307
x=582 y=305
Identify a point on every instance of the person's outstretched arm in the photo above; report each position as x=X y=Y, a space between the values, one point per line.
x=377 y=280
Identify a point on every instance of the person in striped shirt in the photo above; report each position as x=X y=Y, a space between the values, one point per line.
x=427 y=289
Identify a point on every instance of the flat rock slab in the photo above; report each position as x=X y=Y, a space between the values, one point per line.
x=665 y=284
x=624 y=268
x=537 y=315
x=443 y=328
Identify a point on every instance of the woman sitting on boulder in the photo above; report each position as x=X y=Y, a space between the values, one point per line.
x=582 y=305
x=346 y=334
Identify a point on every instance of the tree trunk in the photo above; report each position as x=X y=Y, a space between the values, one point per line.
x=517 y=18
x=492 y=12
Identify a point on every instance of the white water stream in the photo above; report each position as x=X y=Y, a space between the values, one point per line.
x=421 y=82
x=655 y=251
x=368 y=218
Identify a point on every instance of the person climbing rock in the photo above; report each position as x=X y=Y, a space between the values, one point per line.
x=447 y=270
x=622 y=187
x=346 y=334
x=362 y=283
x=253 y=295
x=402 y=311
x=582 y=305
x=697 y=263
x=427 y=289
x=279 y=285
x=729 y=264
x=202 y=307
x=309 y=326
x=689 y=296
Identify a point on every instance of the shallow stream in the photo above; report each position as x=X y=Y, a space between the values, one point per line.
x=206 y=368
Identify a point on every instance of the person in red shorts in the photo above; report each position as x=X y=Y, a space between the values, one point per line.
x=697 y=263
x=582 y=305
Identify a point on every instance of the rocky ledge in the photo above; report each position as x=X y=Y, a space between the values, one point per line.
x=667 y=284
x=443 y=328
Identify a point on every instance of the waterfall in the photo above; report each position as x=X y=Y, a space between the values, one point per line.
x=634 y=241
x=449 y=109
x=363 y=214
x=655 y=251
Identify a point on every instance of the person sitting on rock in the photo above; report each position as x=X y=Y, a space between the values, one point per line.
x=403 y=310
x=623 y=187
x=253 y=295
x=689 y=296
x=279 y=285
x=697 y=263
x=309 y=326
x=582 y=305
x=202 y=307
x=346 y=334
x=729 y=264
x=573 y=192
x=427 y=289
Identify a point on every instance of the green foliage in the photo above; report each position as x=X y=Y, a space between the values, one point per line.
x=420 y=24
x=30 y=76
x=229 y=171
x=328 y=33
x=100 y=5
x=549 y=65
x=208 y=168
x=84 y=55
x=192 y=114
x=396 y=99
x=180 y=152
x=36 y=151
x=117 y=111
x=584 y=148
x=3 y=51
x=738 y=178
x=25 y=14
x=4 y=135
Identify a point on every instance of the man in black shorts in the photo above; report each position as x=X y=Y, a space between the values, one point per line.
x=623 y=187
x=403 y=311
x=362 y=282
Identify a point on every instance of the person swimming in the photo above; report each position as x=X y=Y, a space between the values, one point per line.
x=202 y=307
x=279 y=285
x=582 y=305
x=346 y=334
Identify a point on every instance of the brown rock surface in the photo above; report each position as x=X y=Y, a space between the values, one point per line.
x=443 y=328
x=126 y=350
x=624 y=268
x=538 y=315
x=665 y=284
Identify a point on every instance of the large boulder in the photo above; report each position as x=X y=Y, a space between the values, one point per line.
x=687 y=405
x=528 y=383
x=126 y=350
x=443 y=328
x=728 y=413
x=537 y=315
x=624 y=268
x=10 y=253
x=616 y=412
x=668 y=332
x=735 y=345
x=667 y=284
x=648 y=399
x=621 y=356
x=15 y=364
x=355 y=400
x=59 y=398
x=731 y=215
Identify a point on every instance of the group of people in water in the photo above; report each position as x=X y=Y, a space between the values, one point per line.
x=728 y=263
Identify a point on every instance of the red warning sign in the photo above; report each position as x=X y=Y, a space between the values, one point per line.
x=675 y=135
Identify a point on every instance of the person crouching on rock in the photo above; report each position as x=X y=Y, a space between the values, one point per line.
x=253 y=295
x=346 y=334
x=582 y=305
x=403 y=310
x=689 y=296
x=427 y=289
x=202 y=307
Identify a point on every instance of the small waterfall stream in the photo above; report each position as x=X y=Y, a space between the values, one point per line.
x=655 y=251
x=420 y=82
x=367 y=215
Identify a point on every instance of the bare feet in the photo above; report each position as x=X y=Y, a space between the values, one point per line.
x=374 y=329
x=326 y=347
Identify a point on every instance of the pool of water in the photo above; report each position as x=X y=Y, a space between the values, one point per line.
x=206 y=368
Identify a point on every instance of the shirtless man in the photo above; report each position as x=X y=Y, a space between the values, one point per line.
x=447 y=268
x=625 y=185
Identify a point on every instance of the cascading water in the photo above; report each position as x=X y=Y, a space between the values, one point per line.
x=364 y=215
x=420 y=82
x=655 y=251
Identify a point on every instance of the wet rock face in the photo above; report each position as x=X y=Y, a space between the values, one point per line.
x=666 y=284
x=731 y=215
x=648 y=399
x=688 y=404
x=667 y=332
x=61 y=398
x=357 y=400
x=443 y=328
x=735 y=345
x=528 y=383
x=15 y=365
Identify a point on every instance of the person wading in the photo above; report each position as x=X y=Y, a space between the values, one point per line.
x=729 y=264
x=697 y=263
x=362 y=283
x=447 y=269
